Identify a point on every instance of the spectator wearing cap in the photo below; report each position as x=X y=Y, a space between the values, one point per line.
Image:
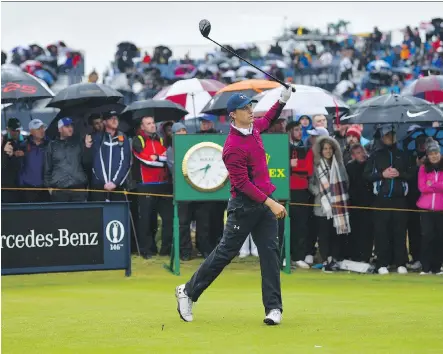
x=216 y=209
x=32 y=164
x=430 y=183
x=12 y=151
x=313 y=134
x=353 y=136
x=65 y=159
x=302 y=165
x=111 y=160
x=388 y=169
x=361 y=241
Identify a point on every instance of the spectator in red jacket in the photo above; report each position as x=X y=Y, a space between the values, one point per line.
x=147 y=58
x=302 y=164
x=151 y=169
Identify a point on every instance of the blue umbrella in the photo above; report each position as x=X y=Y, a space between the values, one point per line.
x=378 y=65
x=409 y=143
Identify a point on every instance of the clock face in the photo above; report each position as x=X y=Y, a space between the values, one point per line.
x=203 y=167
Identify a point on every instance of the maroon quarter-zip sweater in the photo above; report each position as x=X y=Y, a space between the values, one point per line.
x=245 y=159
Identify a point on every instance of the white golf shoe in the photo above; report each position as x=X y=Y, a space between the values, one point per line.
x=184 y=303
x=273 y=317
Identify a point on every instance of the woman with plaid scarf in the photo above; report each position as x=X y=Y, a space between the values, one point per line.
x=329 y=185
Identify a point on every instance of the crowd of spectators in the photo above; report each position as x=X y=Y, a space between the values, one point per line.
x=46 y=63
x=338 y=165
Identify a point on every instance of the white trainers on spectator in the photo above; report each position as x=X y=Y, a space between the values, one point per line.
x=302 y=264
x=184 y=303
x=309 y=259
x=273 y=317
x=439 y=273
x=254 y=250
x=245 y=249
x=425 y=273
x=383 y=271
x=402 y=270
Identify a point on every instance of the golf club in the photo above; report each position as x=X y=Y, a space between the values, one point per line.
x=205 y=29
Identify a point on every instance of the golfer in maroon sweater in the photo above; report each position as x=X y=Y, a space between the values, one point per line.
x=251 y=209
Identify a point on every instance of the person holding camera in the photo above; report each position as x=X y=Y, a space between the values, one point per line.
x=12 y=151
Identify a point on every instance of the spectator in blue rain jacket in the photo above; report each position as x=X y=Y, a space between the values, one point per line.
x=111 y=160
x=32 y=164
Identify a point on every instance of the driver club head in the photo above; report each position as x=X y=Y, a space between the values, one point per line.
x=205 y=28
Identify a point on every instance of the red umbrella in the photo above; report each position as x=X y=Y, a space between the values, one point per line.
x=429 y=88
x=192 y=94
x=184 y=69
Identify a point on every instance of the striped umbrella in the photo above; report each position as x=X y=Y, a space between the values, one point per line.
x=192 y=94
x=306 y=100
x=429 y=88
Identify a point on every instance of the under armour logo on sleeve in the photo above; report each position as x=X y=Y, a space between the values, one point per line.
x=236 y=227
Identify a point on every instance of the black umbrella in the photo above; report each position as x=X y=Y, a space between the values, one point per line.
x=18 y=85
x=46 y=115
x=84 y=95
x=393 y=108
x=217 y=105
x=161 y=110
x=112 y=107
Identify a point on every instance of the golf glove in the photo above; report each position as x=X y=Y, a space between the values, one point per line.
x=286 y=94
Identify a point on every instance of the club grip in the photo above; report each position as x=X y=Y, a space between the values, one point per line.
x=287 y=86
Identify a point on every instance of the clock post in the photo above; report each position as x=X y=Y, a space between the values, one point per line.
x=200 y=175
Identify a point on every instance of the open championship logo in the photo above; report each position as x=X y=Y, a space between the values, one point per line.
x=115 y=232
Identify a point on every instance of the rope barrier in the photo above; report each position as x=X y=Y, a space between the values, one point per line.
x=368 y=208
x=88 y=190
x=171 y=196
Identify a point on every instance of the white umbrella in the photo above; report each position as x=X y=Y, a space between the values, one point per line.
x=230 y=74
x=280 y=63
x=306 y=100
x=343 y=86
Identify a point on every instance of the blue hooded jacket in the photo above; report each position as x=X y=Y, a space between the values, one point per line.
x=111 y=159
x=305 y=129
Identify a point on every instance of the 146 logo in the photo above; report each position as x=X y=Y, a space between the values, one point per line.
x=115 y=232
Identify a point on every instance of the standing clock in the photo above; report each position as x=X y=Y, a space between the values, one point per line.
x=203 y=167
